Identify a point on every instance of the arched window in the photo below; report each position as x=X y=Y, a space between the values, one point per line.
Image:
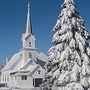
x=39 y=71
x=30 y=55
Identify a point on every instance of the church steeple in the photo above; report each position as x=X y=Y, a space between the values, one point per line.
x=28 y=25
x=28 y=39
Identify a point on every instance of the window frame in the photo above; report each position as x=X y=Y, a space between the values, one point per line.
x=24 y=77
x=30 y=44
x=30 y=55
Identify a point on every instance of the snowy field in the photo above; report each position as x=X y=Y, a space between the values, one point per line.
x=20 y=89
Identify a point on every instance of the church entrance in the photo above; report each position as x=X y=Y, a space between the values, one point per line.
x=37 y=82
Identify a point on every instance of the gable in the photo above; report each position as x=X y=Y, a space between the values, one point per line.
x=29 y=36
x=34 y=70
x=39 y=73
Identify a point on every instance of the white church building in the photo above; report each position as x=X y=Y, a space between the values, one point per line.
x=25 y=69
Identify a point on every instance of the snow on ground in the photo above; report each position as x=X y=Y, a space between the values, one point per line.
x=20 y=89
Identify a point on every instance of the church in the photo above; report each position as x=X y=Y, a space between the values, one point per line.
x=25 y=69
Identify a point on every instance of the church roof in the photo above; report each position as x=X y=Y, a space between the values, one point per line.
x=13 y=61
x=41 y=63
x=29 y=71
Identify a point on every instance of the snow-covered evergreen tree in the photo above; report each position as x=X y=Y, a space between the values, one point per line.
x=68 y=66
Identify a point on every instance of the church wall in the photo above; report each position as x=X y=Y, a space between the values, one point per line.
x=27 y=54
x=39 y=73
x=19 y=65
x=5 y=77
x=13 y=81
x=25 y=83
x=30 y=42
x=24 y=57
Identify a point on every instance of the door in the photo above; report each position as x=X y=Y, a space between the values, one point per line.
x=37 y=82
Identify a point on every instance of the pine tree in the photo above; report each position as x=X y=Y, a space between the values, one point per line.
x=68 y=66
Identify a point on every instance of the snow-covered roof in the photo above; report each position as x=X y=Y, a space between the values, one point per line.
x=13 y=61
x=29 y=71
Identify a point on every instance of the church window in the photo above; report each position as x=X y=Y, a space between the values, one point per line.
x=3 y=85
x=39 y=71
x=24 y=77
x=30 y=55
x=29 y=44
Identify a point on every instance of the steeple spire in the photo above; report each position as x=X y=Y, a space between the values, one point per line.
x=28 y=39
x=28 y=25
